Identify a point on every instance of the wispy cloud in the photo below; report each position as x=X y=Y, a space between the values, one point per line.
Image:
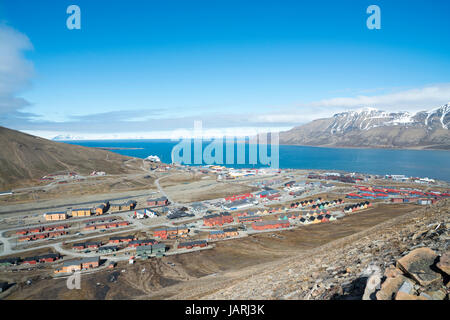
x=15 y=70
x=411 y=100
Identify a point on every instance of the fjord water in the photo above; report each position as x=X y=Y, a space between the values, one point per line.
x=415 y=163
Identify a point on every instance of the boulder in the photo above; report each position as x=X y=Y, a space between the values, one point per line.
x=417 y=264
x=392 y=272
x=390 y=287
x=444 y=263
x=373 y=283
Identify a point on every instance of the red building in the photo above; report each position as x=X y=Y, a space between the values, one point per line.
x=217 y=219
x=270 y=224
x=239 y=197
x=192 y=244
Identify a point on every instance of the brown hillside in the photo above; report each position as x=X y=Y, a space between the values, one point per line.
x=25 y=158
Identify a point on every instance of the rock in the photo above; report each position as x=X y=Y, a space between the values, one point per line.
x=417 y=264
x=436 y=295
x=407 y=287
x=390 y=287
x=373 y=283
x=392 y=272
x=404 y=296
x=444 y=262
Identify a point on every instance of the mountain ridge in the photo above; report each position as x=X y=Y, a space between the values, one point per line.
x=372 y=128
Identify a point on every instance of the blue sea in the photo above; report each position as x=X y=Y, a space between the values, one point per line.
x=416 y=163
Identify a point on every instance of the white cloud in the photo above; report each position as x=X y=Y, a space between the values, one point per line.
x=15 y=70
x=418 y=99
x=410 y=100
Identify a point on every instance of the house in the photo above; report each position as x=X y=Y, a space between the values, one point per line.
x=157 y=248
x=53 y=216
x=270 y=224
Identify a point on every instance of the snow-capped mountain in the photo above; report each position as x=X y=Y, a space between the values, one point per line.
x=370 y=127
x=67 y=137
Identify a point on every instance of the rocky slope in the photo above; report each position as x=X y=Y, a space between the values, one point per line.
x=341 y=269
x=25 y=158
x=372 y=128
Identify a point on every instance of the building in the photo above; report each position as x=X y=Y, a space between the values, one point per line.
x=192 y=244
x=145 y=213
x=270 y=224
x=157 y=249
x=239 y=204
x=162 y=201
x=99 y=209
x=81 y=212
x=90 y=262
x=107 y=249
x=218 y=219
x=123 y=239
x=270 y=192
x=252 y=218
x=239 y=197
x=54 y=216
x=123 y=206
x=9 y=262
x=230 y=232
x=79 y=264
x=171 y=232
x=139 y=243
x=216 y=234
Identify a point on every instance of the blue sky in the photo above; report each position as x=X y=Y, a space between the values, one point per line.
x=137 y=67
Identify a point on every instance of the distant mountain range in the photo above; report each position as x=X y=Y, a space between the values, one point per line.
x=373 y=128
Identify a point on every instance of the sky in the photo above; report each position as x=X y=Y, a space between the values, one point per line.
x=144 y=69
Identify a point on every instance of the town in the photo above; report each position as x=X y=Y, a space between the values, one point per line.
x=106 y=233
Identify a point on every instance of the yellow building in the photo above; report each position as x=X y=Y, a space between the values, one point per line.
x=54 y=216
x=81 y=212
